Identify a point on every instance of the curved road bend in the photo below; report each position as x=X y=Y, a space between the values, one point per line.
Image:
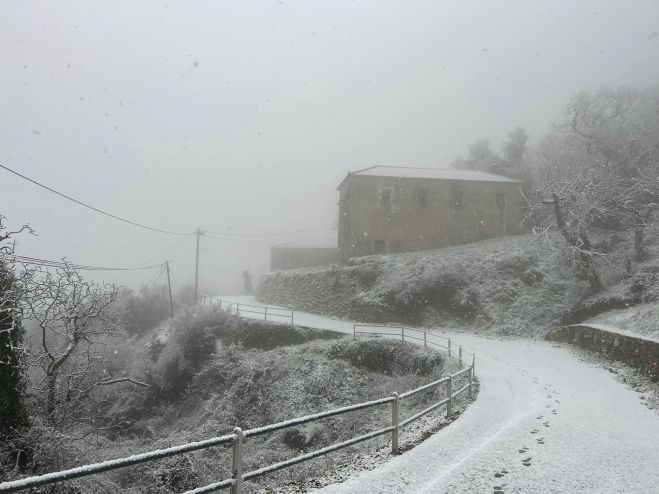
x=544 y=422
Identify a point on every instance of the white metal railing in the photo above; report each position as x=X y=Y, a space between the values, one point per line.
x=411 y=334
x=238 y=436
x=267 y=313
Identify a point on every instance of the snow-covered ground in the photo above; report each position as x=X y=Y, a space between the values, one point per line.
x=544 y=421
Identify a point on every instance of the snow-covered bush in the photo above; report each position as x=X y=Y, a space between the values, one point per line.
x=143 y=310
x=387 y=356
x=264 y=335
x=409 y=292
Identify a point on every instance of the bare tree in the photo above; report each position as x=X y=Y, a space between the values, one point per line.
x=75 y=321
x=599 y=168
x=616 y=133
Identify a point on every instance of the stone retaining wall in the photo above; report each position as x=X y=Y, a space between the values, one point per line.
x=335 y=291
x=637 y=352
x=327 y=291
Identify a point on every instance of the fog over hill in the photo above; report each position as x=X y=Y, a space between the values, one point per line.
x=244 y=117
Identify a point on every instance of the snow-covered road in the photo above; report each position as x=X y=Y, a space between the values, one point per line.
x=544 y=422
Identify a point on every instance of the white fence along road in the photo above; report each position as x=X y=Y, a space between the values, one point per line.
x=544 y=422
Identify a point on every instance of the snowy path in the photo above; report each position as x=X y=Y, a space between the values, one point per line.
x=543 y=422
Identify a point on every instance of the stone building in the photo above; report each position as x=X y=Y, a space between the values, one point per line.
x=304 y=254
x=384 y=209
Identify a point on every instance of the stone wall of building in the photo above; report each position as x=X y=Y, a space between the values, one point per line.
x=637 y=352
x=424 y=214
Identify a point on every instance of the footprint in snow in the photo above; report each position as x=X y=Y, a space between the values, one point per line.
x=554 y=412
x=524 y=449
x=557 y=401
x=548 y=406
x=498 y=489
x=546 y=424
x=535 y=431
x=540 y=440
x=526 y=462
x=500 y=474
x=539 y=417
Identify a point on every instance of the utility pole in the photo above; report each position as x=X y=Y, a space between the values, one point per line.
x=169 y=285
x=196 y=273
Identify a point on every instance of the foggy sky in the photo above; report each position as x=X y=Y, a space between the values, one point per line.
x=245 y=116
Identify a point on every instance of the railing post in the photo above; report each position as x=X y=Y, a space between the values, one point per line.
x=402 y=333
x=460 y=355
x=425 y=342
x=449 y=347
x=394 y=423
x=354 y=331
x=473 y=365
x=238 y=310
x=471 y=380
x=292 y=323
x=266 y=313
x=449 y=392
x=237 y=462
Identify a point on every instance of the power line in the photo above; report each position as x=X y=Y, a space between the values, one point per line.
x=234 y=240
x=273 y=234
x=146 y=227
x=158 y=274
x=83 y=267
x=49 y=189
x=150 y=259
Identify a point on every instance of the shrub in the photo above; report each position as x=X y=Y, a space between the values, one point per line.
x=171 y=375
x=294 y=439
x=190 y=345
x=175 y=474
x=465 y=302
x=387 y=356
x=514 y=265
x=145 y=310
x=367 y=273
x=431 y=285
x=264 y=335
x=41 y=449
x=195 y=340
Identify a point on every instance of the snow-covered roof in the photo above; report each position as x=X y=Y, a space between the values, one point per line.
x=432 y=173
x=310 y=243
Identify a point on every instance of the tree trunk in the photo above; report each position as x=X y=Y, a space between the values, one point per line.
x=50 y=399
x=581 y=243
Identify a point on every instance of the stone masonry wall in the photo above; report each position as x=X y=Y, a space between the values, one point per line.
x=637 y=352
x=331 y=291
x=326 y=291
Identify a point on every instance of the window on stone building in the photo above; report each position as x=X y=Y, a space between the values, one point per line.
x=422 y=198
x=501 y=200
x=386 y=201
x=458 y=200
